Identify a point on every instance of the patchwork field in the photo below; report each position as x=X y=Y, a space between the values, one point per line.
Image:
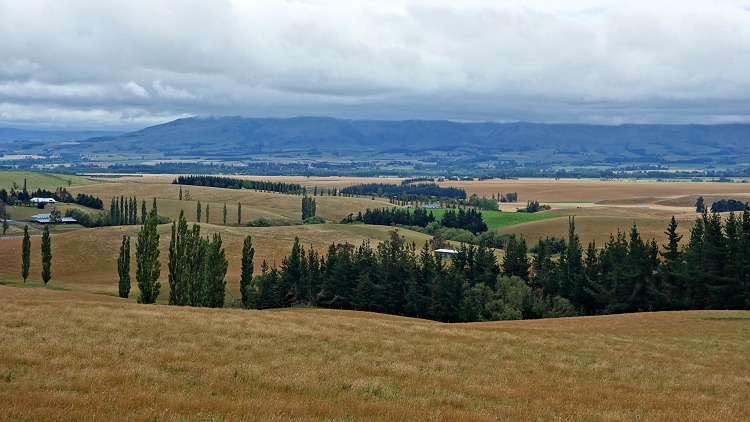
x=74 y=356
x=600 y=207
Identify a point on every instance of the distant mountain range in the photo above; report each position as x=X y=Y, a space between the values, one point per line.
x=234 y=137
x=21 y=135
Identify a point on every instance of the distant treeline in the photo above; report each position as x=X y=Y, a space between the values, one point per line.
x=726 y=205
x=234 y=183
x=394 y=216
x=424 y=190
x=417 y=180
x=470 y=220
x=711 y=271
x=122 y=212
x=60 y=195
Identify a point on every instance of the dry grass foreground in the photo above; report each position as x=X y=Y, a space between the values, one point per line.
x=73 y=356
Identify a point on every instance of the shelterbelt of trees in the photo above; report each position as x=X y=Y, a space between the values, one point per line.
x=711 y=271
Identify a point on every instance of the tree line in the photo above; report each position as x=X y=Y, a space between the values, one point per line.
x=404 y=191
x=393 y=216
x=122 y=212
x=60 y=194
x=234 y=183
x=197 y=265
x=628 y=274
x=46 y=249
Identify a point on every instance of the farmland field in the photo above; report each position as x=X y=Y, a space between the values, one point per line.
x=74 y=356
x=497 y=220
x=600 y=207
x=73 y=351
x=36 y=180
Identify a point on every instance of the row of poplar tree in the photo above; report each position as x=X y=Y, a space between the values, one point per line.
x=197 y=265
x=627 y=274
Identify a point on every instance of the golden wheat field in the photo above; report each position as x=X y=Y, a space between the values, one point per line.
x=76 y=356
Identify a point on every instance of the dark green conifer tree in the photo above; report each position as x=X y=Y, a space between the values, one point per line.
x=25 y=253
x=179 y=260
x=123 y=268
x=46 y=255
x=147 y=262
x=516 y=261
x=246 y=277
x=215 y=270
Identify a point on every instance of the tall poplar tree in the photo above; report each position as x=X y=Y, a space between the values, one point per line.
x=179 y=287
x=25 y=253
x=246 y=279
x=123 y=267
x=46 y=256
x=225 y=213
x=216 y=265
x=147 y=262
x=198 y=212
x=239 y=214
x=208 y=212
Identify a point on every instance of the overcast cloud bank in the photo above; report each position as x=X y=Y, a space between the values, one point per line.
x=118 y=64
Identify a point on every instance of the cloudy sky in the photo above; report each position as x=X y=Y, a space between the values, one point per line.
x=130 y=64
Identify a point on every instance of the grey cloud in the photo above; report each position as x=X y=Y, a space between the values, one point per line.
x=123 y=65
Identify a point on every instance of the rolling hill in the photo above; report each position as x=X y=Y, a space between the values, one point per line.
x=76 y=356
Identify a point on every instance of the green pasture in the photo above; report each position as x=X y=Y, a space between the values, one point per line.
x=36 y=180
x=497 y=219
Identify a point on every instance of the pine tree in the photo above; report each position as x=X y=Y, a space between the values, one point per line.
x=516 y=262
x=148 y=266
x=25 y=253
x=291 y=274
x=246 y=279
x=46 y=256
x=672 y=277
x=225 y=213
x=700 y=206
x=123 y=267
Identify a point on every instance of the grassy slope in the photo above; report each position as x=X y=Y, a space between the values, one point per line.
x=69 y=356
x=36 y=180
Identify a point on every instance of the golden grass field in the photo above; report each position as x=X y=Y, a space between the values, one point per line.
x=69 y=354
x=600 y=207
x=76 y=356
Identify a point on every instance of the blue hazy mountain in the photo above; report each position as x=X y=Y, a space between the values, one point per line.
x=236 y=136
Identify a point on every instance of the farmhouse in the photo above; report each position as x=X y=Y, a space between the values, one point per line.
x=47 y=218
x=446 y=253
